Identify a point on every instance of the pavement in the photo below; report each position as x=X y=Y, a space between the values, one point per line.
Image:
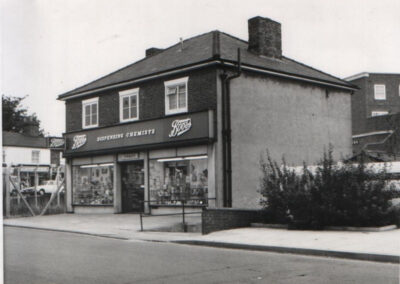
x=375 y=246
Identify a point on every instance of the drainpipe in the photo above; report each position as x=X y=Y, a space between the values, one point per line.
x=226 y=134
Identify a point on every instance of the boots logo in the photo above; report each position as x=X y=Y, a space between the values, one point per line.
x=79 y=141
x=180 y=126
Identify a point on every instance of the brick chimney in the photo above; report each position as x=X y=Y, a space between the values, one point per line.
x=153 y=51
x=265 y=37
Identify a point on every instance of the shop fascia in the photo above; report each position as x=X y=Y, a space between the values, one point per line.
x=195 y=126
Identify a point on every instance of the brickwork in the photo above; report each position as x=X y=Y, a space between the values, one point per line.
x=227 y=218
x=363 y=101
x=265 y=37
x=202 y=88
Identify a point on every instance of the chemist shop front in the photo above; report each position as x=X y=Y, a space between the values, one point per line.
x=143 y=165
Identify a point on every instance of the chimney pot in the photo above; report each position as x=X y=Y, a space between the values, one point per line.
x=265 y=37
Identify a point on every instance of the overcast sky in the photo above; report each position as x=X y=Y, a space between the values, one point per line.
x=49 y=47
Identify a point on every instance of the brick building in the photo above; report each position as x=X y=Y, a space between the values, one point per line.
x=190 y=122
x=375 y=114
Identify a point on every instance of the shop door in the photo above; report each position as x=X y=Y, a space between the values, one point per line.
x=132 y=186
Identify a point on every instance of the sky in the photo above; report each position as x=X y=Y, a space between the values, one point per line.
x=49 y=47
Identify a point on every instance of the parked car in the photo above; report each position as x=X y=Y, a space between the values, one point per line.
x=48 y=186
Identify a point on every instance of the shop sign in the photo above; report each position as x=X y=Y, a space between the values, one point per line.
x=143 y=132
x=180 y=126
x=55 y=142
x=79 y=141
x=140 y=134
x=34 y=168
x=128 y=157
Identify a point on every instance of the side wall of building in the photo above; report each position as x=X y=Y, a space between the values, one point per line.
x=291 y=119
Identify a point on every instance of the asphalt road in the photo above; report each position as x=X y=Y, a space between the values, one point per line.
x=44 y=257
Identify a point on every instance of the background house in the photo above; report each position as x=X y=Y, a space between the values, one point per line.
x=29 y=154
x=375 y=115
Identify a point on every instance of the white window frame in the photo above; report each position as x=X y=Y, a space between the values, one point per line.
x=172 y=83
x=124 y=94
x=38 y=156
x=86 y=103
x=379 y=113
x=382 y=97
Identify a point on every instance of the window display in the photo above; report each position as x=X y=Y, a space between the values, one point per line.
x=177 y=179
x=93 y=184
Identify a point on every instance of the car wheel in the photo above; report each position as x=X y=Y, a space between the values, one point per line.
x=42 y=192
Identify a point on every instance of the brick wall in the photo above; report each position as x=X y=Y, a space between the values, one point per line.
x=228 y=218
x=201 y=96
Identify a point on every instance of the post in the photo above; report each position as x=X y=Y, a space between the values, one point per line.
x=19 y=184
x=57 y=183
x=183 y=216
x=141 y=222
x=6 y=178
x=36 y=184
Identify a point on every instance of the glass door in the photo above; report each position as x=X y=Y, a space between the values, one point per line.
x=132 y=183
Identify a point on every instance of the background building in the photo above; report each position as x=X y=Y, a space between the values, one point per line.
x=191 y=121
x=30 y=154
x=375 y=114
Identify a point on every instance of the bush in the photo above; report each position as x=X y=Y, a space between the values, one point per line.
x=330 y=195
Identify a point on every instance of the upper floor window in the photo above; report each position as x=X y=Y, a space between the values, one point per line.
x=129 y=105
x=35 y=156
x=90 y=113
x=379 y=92
x=379 y=112
x=176 y=96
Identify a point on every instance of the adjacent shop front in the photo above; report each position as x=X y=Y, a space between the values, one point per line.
x=137 y=166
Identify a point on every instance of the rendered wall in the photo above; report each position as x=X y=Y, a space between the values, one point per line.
x=290 y=119
x=23 y=155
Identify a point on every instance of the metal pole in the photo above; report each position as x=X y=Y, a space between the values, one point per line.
x=19 y=184
x=36 y=184
x=141 y=222
x=58 y=182
x=8 y=187
x=183 y=216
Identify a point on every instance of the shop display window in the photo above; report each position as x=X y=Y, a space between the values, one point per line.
x=93 y=184
x=179 y=179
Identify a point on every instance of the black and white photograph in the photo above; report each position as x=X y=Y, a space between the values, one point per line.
x=185 y=141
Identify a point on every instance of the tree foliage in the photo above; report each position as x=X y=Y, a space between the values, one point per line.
x=15 y=116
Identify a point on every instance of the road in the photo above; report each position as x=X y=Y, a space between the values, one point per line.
x=44 y=257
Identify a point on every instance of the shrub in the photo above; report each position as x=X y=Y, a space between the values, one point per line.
x=330 y=195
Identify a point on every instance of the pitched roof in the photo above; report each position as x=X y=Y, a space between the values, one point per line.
x=21 y=140
x=203 y=48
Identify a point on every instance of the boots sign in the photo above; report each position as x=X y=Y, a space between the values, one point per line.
x=180 y=126
x=143 y=134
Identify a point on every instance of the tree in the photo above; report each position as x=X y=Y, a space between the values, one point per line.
x=16 y=118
